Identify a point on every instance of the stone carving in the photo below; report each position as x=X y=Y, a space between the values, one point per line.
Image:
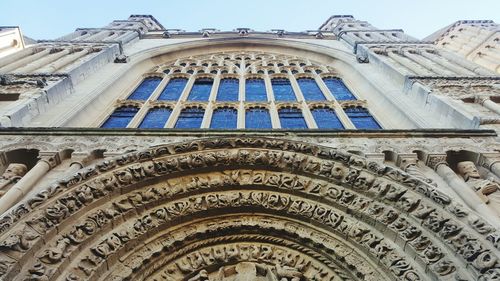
x=487 y=189
x=13 y=173
x=309 y=177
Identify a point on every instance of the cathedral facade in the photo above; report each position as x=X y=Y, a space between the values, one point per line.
x=347 y=152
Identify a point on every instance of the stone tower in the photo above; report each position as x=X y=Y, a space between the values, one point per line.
x=348 y=152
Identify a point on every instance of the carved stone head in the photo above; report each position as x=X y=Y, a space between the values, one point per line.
x=14 y=171
x=467 y=169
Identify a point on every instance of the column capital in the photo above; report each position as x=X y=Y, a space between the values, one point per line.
x=480 y=99
x=51 y=158
x=487 y=160
x=434 y=160
x=406 y=159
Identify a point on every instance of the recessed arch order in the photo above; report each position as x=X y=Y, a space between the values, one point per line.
x=219 y=208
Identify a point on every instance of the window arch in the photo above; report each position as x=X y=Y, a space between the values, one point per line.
x=190 y=118
x=224 y=118
x=255 y=90
x=228 y=89
x=173 y=90
x=282 y=89
x=292 y=118
x=145 y=89
x=201 y=89
x=361 y=118
x=120 y=117
x=156 y=118
x=310 y=89
x=338 y=89
x=257 y=118
x=326 y=118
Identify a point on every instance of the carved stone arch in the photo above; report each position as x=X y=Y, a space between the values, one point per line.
x=137 y=215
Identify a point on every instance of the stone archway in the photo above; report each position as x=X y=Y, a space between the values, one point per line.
x=216 y=209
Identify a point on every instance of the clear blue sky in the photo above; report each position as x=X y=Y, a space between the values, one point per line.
x=49 y=19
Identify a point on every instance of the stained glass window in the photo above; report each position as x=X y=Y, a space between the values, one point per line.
x=228 y=90
x=156 y=118
x=282 y=89
x=291 y=118
x=201 y=89
x=190 y=118
x=326 y=118
x=338 y=89
x=120 y=117
x=145 y=89
x=361 y=118
x=310 y=89
x=173 y=90
x=255 y=90
x=224 y=118
x=257 y=118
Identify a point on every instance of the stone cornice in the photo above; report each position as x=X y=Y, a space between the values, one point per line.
x=415 y=133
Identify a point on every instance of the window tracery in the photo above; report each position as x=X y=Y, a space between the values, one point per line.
x=245 y=90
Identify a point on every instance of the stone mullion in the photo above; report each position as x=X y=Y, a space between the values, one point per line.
x=273 y=110
x=306 y=113
x=241 y=105
x=207 y=117
x=139 y=116
x=176 y=111
x=346 y=122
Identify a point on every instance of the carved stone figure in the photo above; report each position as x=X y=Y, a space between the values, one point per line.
x=12 y=174
x=488 y=189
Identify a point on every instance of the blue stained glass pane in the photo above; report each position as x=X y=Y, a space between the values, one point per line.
x=338 y=89
x=201 y=90
x=282 y=90
x=224 y=118
x=255 y=90
x=310 y=89
x=156 y=118
x=145 y=89
x=362 y=119
x=190 y=118
x=173 y=90
x=120 y=117
x=257 y=118
x=291 y=118
x=228 y=90
x=326 y=118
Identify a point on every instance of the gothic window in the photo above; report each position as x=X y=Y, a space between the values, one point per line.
x=310 y=89
x=201 y=89
x=338 y=89
x=291 y=118
x=190 y=118
x=282 y=90
x=145 y=89
x=257 y=118
x=224 y=118
x=120 y=117
x=326 y=118
x=173 y=90
x=228 y=90
x=156 y=118
x=255 y=90
x=361 y=118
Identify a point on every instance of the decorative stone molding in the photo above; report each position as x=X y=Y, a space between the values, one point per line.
x=148 y=193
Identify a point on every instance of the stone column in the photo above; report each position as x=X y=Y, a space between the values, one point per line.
x=33 y=66
x=70 y=58
x=488 y=103
x=27 y=182
x=491 y=162
x=464 y=191
x=25 y=60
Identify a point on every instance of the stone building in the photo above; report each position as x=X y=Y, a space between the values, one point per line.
x=138 y=152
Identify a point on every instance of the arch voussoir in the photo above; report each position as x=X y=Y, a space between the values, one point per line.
x=407 y=226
